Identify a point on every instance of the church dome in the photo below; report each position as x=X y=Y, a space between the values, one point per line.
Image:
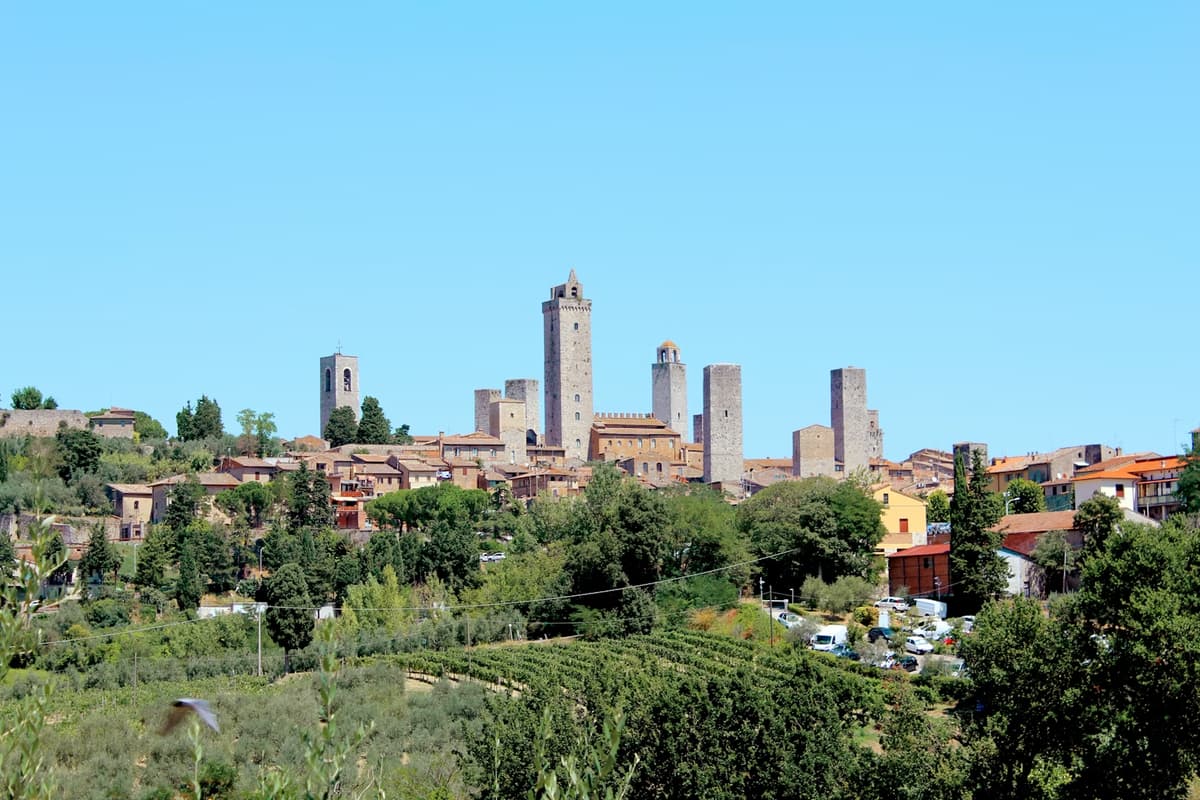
x=668 y=344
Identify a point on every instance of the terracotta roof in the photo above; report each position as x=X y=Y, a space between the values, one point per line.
x=130 y=488
x=1157 y=464
x=922 y=550
x=477 y=438
x=1013 y=464
x=370 y=458
x=1106 y=475
x=250 y=462
x=1114 y=463
x=204 y=478
x=669 y=343
x=767 y=463
x=1038 y=522
x=415 y=466
x=376 y=469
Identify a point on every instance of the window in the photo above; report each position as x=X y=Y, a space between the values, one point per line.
x=885 y=498
x=578 y=443
x=328 y=380
x=1120 y=490
x=135 y=504
x=639 y=444
x=576 y=326
x=654 y=444
x=904 y=525
x=645 y=467
x=346 y=380
x=658 y=467
x=927 y=562
x=576 y=416
x=576 y=398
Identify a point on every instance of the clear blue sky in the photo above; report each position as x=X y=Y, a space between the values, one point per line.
x=992 y=209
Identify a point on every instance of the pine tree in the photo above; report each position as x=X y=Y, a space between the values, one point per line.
x=188 y=588
x=289 y=612
x=185 y=423
x=100 y=558
x=374 y=427
x=309 y=505
x=207 y=421
x=977 y=572
x=341 y=428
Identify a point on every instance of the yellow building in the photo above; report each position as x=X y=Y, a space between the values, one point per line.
x=903 y=518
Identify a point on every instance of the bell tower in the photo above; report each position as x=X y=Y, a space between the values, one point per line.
x=339 y=386
x=668 y=388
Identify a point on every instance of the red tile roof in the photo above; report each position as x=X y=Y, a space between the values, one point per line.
x=1039 y=522
x=922 y=550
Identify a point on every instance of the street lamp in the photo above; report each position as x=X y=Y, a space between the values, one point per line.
x=760 y=589
x=1008 y=501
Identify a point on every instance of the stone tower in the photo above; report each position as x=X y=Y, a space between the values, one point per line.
x=339 y=386
x=483 y=401
x=507 y=423
x=723 y=426
x=567 y=327
x=849 y=419
x=526 y=390
x=668 y=385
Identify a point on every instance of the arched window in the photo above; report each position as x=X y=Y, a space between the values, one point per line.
x=576 y=400
x=578 y=443
x=658 y=466
x=346 y=380
x=576 y=326
x=577 y=416
x=328 y=380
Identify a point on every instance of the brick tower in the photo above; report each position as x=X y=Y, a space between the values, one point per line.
x=567 y=327
x=668 y=385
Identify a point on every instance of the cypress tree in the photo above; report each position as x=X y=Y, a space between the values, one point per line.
x=977 y=572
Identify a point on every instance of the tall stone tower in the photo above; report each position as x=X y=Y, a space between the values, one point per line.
x=723 y=425
x=668 y=384
x=567 y=326
x=526 y=390
x=849 y=420
x=339 y=386
x=483 y=402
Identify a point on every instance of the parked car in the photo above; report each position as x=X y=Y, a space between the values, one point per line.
x=845 y=651
x=906 y=663
x=918 y=644
x=488 y=558
x=788 y=619
x=894 y=603
x=934 y=630
x=875 y=634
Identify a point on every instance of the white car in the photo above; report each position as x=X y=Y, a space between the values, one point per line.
x=788 y=619
x=918 y=645
x=894 y=603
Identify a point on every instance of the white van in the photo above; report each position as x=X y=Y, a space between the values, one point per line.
x=929 y=608
x=828 y=636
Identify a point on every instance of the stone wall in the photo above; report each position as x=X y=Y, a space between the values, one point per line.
x=39 y=422
x=723 y=459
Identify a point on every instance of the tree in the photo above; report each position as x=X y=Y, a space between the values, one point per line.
x=188 y=587
x=401 y=435
x=342 y=427
x=207 y=422
x=247 y=502
x=937 y=507
x=185 y=423
x=1097 y=518
x=7 y=555
x=1025 y=497
x=147 y=427
x=374 y=427
x=183 y=504
x=977 y=572
x=78 y=452
x=28 y=398
x=257 y=431
x=308 y=501
x=824 y=527
x=1188 y=487
x=289 y=615
x=152 y=558
x=1055 y=555
x=100 y=557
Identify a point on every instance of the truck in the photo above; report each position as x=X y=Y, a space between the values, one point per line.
x=929 y=608
x=827 y=636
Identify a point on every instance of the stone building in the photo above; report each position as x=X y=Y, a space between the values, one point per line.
x=483 y=404
x=339 y=385
x=697 y=428
x=567 y=328
x=853 y=438
x=668 y=388
x=526 y=390
x=812 y=451
x=646 y=442
x=507 y=422
x=723 y=425
x=39 y=422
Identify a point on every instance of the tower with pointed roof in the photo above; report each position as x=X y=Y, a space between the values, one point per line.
x=668 y=388
x=567 y=329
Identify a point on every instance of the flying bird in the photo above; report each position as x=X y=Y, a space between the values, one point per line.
x=189 y=705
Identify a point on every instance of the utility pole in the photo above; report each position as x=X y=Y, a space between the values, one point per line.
x=260 y=616
x=1066 y=545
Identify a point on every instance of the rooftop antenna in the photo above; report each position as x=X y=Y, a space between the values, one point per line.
x=339 y=347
